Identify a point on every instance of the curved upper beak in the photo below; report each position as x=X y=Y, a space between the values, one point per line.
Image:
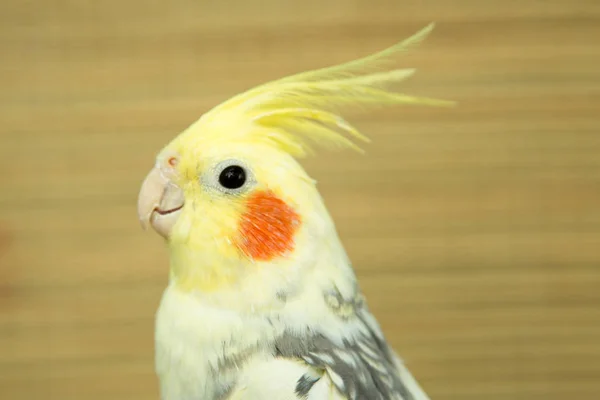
x=160 y=202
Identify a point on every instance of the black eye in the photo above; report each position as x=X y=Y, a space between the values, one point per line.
x=232 y=177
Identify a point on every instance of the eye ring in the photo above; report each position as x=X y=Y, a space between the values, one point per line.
x=236 y=182
x=232 y=177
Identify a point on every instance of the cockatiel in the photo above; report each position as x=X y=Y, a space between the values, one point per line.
x=262 y=301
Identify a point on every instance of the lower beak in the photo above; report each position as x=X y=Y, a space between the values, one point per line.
x=160 y=202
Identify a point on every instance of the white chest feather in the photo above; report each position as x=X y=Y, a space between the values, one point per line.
x=194 y=341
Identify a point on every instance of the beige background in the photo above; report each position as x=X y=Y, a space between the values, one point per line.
x=475 y=231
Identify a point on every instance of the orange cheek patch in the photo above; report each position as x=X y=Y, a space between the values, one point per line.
x=267 y=227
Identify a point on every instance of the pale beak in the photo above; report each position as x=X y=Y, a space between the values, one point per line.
x=160 y=202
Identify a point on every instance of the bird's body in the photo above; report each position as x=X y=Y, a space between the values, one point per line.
x=262 y=301
x=318 y=346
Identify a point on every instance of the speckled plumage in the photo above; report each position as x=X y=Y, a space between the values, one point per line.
x=349 y=354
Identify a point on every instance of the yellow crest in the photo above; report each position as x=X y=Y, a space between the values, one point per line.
x=295 y=111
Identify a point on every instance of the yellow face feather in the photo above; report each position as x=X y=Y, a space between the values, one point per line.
x=264 y=130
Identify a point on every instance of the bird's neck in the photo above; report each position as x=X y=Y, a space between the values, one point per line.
x=203 y=269
x=243 y=284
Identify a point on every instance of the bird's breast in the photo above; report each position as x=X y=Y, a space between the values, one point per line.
x=200 y=348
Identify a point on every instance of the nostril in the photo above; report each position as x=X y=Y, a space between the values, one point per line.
x=172 y=161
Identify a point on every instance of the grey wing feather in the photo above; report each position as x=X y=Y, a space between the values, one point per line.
x=305 y=384
x=362 y=368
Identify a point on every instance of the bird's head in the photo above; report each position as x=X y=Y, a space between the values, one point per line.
x=228 y=194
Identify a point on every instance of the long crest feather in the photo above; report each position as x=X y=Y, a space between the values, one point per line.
x=295 y=111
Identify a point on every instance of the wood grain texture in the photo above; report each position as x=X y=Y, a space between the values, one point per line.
x=475 y=231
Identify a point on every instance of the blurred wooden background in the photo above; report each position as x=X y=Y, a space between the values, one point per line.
x=475 y=231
